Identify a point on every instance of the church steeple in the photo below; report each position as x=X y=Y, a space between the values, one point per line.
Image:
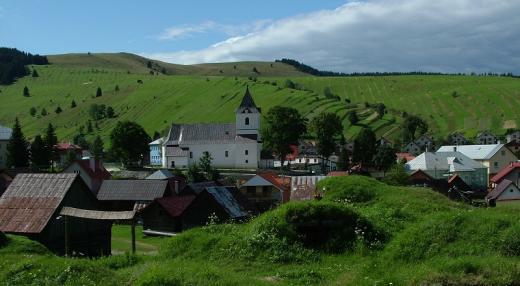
x=248 y=117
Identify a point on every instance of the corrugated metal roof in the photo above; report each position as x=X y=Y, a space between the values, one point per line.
x=201 y=186
x=224 y=197
x=176 y=152
x=454 y=161
x=5 y=133
x=475 y=152
x=99 y=215
x=160 y=175
x=157 y=142
x=176 y=205
x=30 y=201
x=132 y=190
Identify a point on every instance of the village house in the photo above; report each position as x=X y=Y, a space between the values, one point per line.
x=486 y=137
x=5 y=136
x=156 y=152
x=267 y=190
x=511 y=172
x=514 y=146
x=91 y=171
x=31 y=207
x=505 y=191
x=513 y=136
x=63 y=150
x=412 y=148
x=404 y=157
x=457 y=138
x=231 y=145
x=444 y=165
x=494 y=156
x=178 y=213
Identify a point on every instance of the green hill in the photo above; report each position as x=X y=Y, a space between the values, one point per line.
x=362 y=232
x=201 y=93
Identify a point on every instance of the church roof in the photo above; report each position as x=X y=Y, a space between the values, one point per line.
x=247 y=103
x=204 y=133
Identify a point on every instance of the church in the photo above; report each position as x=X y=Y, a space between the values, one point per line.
x=231 y=145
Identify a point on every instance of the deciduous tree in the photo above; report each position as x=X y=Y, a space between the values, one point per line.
x=129 y=142
x=364 y=146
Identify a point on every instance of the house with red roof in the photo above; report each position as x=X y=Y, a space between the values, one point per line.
x=63 y=149
x=511 y=172
x=91 y=171
x=406 y=157
x=267 y=190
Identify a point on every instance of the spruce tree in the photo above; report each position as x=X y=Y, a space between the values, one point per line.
x=89 y=127
x=39 y=157
x=17 y=148
x=117 y=88
x=343 y=160
x=99 y=92
x=32 y=111
x=26 y=91
x=58 y=110
x=97 y=147
x=35 y=73
x=50 y=140
x=73 y=104
x=44 y=112
x=110 y=112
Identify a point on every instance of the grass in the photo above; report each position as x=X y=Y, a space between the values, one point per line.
x=363 y=232
x=199 y=94
x=122 y=241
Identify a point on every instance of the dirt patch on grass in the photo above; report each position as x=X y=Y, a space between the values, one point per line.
x=509 y=124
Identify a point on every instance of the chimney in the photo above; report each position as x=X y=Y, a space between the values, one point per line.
x=177 y=187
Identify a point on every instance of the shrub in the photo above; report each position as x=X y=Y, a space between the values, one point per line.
x=120 y=261
x=352 y=189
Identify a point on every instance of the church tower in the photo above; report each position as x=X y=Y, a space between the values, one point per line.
x=248 y=118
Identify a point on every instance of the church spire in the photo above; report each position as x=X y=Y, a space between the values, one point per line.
x=247 y=100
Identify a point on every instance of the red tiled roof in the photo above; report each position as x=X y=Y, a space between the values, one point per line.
x=281 y=183
x=100 y=173
x=176 y=205
x=67 y=146
x=504 y=172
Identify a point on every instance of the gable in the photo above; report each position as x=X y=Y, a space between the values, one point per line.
x=510 y=193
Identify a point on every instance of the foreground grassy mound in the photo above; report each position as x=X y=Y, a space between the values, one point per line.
x=363 y=232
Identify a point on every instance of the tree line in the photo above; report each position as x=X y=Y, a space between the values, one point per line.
x=13 y=64
x=313 y=71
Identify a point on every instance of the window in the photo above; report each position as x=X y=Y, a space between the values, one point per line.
x=247 y=152
x=495 y=164
x=227 y=154
x=191 y=155
x=503 y=153
x=266 y=191
x=247 y=161
x=247 y=120
x=251 y=190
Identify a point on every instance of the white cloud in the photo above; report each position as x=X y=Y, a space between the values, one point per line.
x=377 y=35
x=211 y=26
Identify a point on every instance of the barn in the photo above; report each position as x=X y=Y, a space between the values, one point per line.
x=127 y=195
x=31 y=207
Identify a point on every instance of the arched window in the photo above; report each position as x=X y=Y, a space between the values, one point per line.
x=247 y=120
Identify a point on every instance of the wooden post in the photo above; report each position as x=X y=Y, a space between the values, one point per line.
x=133 y=236
x=67 y=242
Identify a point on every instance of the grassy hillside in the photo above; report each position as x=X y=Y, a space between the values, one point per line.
x=370 y=234
x=201 y=93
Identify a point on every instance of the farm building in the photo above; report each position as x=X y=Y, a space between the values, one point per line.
x=127 y=195
x=511 y=172
x=181 y=212
x=267 y=190
x=91 y=171
x=505 y=191
x=31 y=207
x=63 y=149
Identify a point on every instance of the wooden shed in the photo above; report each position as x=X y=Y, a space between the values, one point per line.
x=127 y=195
x=31 y=206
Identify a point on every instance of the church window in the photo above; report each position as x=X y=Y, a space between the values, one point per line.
x=247 y=120
x=247 y=161
x=247 y=152
x=227 y=154
x=191 y=155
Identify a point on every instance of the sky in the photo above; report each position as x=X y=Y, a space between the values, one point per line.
x=345 y=36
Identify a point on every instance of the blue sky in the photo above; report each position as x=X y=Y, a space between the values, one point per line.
x=53 y=27
x=348 y=36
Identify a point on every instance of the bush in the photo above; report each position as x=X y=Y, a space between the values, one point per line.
x=120 y=261
x=351 y=189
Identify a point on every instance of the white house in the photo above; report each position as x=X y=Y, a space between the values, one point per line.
x=443 y=165
x=5 y=135
x=494 y=156
x=231 y=145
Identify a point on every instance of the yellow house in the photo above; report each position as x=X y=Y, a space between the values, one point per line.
x=495 y=156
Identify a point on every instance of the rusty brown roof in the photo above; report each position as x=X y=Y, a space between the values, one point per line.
x=31 y=199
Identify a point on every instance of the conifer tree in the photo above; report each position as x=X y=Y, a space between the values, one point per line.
x=44 y=112
x=97 y=147
x=99 y=92
x=73 y=104
x=39 y=157
x=17 y=148
x=26 y=91
x=58 y=110
x=89 y=127
x=50 y=140
x=35 y=73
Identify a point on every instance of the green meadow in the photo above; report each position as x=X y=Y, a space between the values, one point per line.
x=211 y=92
x=362 y=232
